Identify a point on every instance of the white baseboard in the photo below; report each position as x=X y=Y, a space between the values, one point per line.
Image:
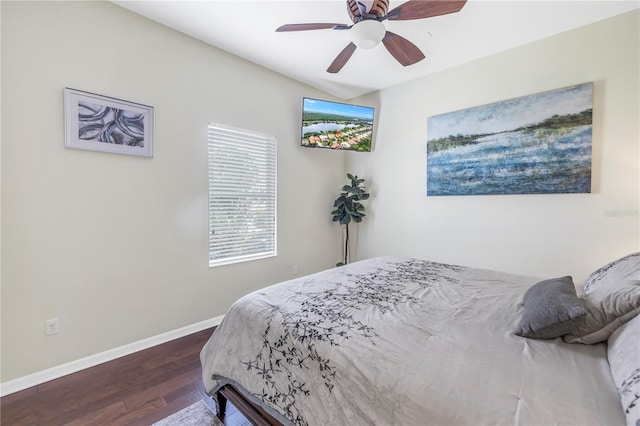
x=40 y=377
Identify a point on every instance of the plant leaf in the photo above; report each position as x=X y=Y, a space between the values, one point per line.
x=347 y=206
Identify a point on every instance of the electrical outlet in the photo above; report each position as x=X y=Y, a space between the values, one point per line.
x=51 y=327
x=295 y=270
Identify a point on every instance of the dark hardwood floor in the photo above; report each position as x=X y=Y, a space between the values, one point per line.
x=138 y=389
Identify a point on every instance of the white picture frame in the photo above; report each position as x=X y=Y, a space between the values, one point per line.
x=100 y=123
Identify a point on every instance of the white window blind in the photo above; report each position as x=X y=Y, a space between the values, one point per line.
x=242 y=195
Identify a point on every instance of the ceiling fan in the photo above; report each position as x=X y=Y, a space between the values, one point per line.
x=368 y=30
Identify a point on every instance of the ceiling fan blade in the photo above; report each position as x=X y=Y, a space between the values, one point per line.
x=342 y=58
x=419 y=9
x=314 y=26
x=402 y=49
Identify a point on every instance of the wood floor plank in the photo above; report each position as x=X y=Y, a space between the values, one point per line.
x=139 y=415
x=95 y=392
x=138 y=389
x=179 y=393
x=16 y=398
x=140 y=398
x=172 y=407
x=100 y=417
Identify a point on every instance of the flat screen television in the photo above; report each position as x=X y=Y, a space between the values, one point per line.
x=335 y=125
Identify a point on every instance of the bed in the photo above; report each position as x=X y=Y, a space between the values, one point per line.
x=402 y=341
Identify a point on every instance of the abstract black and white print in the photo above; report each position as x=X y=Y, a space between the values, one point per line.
x=327 y=318
x=101 y=123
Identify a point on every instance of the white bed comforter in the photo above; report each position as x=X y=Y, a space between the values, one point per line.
x=397 y=341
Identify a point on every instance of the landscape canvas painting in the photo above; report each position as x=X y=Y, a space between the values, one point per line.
x=537 y=144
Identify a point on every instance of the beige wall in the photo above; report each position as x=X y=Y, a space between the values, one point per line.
x=0 y=199
x=116 y=246
x=540 y=235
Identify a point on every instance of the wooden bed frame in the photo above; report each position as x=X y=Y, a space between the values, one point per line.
x=252 y=412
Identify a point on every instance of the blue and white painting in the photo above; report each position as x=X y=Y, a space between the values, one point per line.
x=537 y=144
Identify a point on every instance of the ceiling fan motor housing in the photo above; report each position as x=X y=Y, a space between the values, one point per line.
x=367 y=9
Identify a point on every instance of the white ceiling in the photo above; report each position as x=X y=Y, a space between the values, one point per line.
x=246 y=28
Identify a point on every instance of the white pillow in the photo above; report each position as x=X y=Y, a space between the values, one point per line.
x=610 y=275
x=607 y=307
x=624 y=360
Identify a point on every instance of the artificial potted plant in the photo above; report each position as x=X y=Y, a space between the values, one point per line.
x=348 y=208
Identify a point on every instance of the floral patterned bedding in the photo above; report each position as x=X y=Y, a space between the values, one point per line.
x=400 y=341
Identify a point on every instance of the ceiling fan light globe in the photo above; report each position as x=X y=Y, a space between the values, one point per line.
x=367 y=34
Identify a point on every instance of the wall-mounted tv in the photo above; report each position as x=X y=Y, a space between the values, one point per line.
x=335 y=125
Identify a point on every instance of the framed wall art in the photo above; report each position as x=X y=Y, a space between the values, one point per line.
x=536 y=144
x=101 y=123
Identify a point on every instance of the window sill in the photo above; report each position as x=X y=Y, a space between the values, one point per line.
x=240 y=259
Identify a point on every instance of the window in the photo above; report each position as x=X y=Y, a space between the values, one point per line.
x=242 y=195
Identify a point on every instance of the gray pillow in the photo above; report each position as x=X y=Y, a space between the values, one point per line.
x=551 y=308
